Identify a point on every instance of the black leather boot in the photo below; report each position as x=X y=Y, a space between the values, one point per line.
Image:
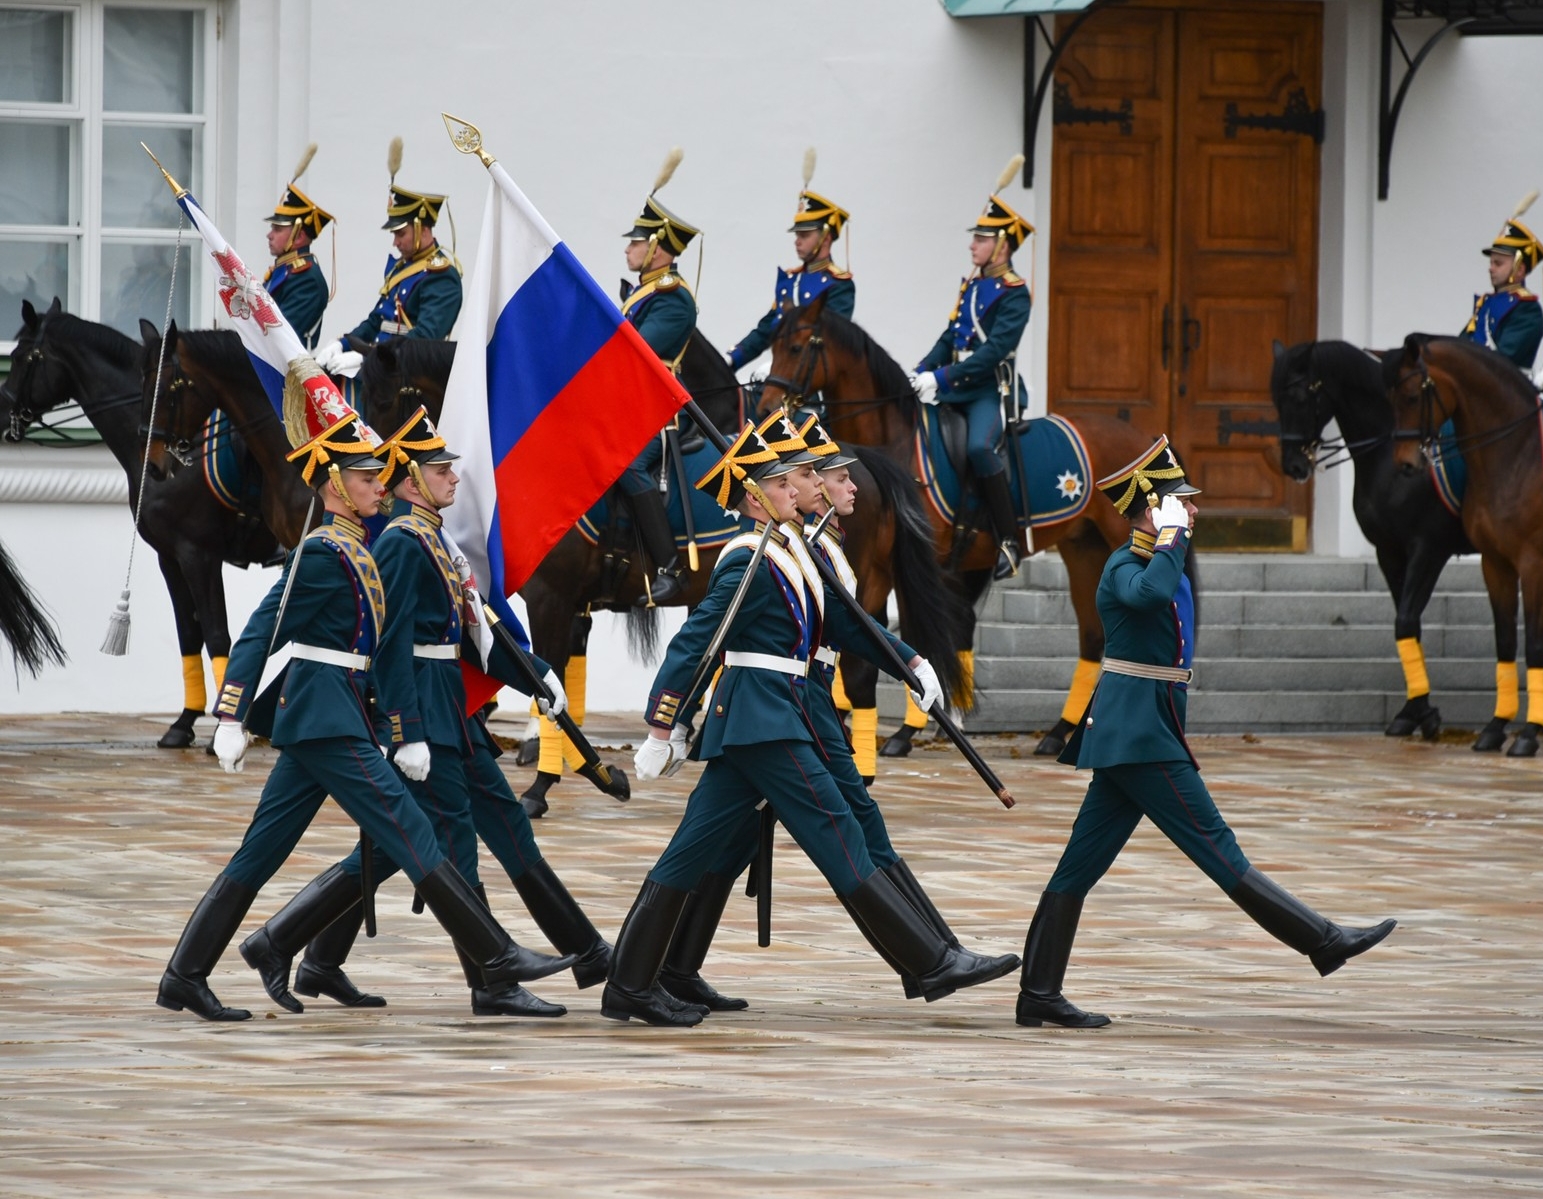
x=1289 y=920
x=994 y=489
x=185 y=984
x=1045 y=954
x=272 y=948
x=472 y=927
x=939 y=968
x=503 y=999
x=908 y=982
x=558 y=915
x=633 y=988
x=321 y=970
x=681 y=975
x=659 y=541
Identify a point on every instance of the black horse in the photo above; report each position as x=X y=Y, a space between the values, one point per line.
x=1399 y=511
x=59 y=358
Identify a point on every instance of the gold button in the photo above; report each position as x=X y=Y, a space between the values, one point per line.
x=719 y=709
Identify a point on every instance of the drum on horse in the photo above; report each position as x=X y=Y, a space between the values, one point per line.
x=61 y=358
x=24 y=624
x=598 y=565
x=1497 y=428
x=1410 y=525
x=869 y=401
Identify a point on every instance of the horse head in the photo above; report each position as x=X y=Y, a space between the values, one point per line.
x=1302 y=405
x=172 y=415
x=1418 y=408
x=38 y=381
x=401 y=375
x=799 y=365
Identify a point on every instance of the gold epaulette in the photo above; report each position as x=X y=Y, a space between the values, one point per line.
x=1012 y=279
x=667 y=282
x=835 y=274
x=437 y=263
x=301 y=264
x=1523 y=294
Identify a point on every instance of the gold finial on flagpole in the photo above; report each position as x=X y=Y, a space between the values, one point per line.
x=176 y=187
x=466 y=138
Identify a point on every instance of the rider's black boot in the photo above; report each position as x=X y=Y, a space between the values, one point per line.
x=1004 y=522
x=658 y=539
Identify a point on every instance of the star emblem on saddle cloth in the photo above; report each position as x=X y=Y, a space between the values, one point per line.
x=1069 y=484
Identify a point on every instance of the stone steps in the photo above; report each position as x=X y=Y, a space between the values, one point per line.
x=1286 y=644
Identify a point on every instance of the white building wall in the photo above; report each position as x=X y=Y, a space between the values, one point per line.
x=913 y=114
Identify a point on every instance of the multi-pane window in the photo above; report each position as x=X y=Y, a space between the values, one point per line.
x=84 y=215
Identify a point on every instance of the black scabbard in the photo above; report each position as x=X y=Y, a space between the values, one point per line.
x=763 y=876
x=367 y=881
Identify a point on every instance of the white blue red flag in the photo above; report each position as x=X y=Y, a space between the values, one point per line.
x=551 y=397
x=270 y=342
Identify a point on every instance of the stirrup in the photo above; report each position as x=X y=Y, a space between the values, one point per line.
x=1007 y=560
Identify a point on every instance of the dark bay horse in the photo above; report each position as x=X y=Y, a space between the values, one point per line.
x=888 y=538
x=869 y=401
x=1495 y=412
x=1400 y=512
x=60 y=358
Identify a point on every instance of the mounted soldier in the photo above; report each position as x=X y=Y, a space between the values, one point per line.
x=662 y=309
x=816 y=225
x=421 y=294
x=974 y=363
x=1509 y=319
x=295 y=280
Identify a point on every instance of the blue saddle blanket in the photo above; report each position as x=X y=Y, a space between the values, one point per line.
x=714 y=527
x=1048 y=452
x=223 y=460
x=1448 y=471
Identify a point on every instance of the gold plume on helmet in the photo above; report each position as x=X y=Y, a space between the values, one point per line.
x=667 y=169
x=809 y=160
x=1525 y=204
x=305 y=161
x=1014 y=165
x=394 y=157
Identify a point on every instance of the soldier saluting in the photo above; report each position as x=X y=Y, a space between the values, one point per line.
x=663 y=311
x=973 y=364
x=816 y=225
x=295 y=280
x=421 y=294
x=1509 y=320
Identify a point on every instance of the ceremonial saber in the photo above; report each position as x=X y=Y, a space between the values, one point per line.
x=596 y=771
x=938 y=712
x=678 y=461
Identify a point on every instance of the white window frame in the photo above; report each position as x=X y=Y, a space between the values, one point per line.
x=84 y=112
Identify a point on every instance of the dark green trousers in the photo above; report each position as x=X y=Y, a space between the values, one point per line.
x=1173 y=797
x=444 y=801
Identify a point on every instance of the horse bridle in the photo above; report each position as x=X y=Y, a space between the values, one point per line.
x=180 y=447
x=22 y=416
x=1434 y=413
x=796 y=390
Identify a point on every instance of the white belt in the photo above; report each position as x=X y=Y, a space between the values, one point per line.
x=393 y=327
x=332 y=657
x=452 y=652
x=825 y=654
x=795 y=666
x=1140 y=670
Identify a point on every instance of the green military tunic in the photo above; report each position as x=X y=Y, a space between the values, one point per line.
x=419 y=298
x=299 y=289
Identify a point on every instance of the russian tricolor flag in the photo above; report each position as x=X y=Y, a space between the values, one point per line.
x=270 y=342
x=561 y=401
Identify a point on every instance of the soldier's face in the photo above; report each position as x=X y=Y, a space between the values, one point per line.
x=278 y=239
x=807 y=244
x=782 y=494
x=1501 y=267
x=842 y=489
x=807 y=485
x=409 y=239
x=441 y=480
x=364 y=489
x=984 y=247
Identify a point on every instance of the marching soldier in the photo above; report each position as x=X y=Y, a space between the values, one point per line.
x=316 y=713
x=457 y=781
x=421 y=294
x=817 y=224
x=1509 y=319
x=823 y=480
x=758 y=741
x=1132 y=737
x=295 y=280
x=973 y=365
x=663 y=310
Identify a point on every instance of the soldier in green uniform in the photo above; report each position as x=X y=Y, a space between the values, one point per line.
x=822 y=478
x=1509 y=320
x=758 y=741
x=421 y=293
x=295 y=280
x=663 y=310
x=329 y=607
x=817 y=224
x=456 y=779
x=973 y=365
x=1132 y=738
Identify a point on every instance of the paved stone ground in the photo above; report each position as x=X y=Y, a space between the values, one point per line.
x=1231 y=1069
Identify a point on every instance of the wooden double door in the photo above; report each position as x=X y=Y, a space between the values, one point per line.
x=1184 y=238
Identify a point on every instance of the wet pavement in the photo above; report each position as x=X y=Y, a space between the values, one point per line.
x=1231 y=1068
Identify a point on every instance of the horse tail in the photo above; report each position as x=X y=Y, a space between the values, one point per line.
x=643 y=634
x=933 y=615
x=33 y=639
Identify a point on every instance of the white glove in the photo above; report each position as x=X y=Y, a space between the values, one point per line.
x=680 y=747
x=932 y=690
x=653 y=758
x=1170 y=514
x=926 y=387
x=559 y=702
x=230 y=742
x=412 y=759
x=347 y=364
x=327 y=356
x=728 y=356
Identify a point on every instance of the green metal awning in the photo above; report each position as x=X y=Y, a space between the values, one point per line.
x=1008 y=8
